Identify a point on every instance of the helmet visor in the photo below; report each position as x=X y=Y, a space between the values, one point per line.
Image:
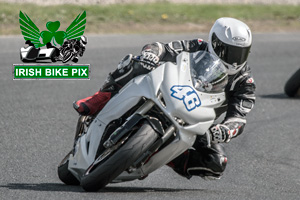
x=229 y=53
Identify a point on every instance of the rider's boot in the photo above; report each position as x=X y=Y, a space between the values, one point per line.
x=127 y=69
x=93 y=104
x=208 y=163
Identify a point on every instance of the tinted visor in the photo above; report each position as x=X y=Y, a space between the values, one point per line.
x=229 y=53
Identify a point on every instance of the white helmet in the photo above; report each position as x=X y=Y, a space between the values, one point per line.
x=230 y=40
x=83 y=40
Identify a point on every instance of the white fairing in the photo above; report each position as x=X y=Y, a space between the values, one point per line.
x=180 y=101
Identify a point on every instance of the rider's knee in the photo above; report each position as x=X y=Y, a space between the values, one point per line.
x=208 y=162
x=122 y=75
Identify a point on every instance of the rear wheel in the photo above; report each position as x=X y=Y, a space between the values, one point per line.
x=64 y=174
x=98 y=175
x=292 y=86
x=67 y=56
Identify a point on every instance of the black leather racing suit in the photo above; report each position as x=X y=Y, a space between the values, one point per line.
x=240 y=99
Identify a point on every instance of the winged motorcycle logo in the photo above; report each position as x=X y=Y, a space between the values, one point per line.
x=54 y=45
x=72 y=42
x=31 y=32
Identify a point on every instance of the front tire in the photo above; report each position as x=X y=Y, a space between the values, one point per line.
x=292 y=86
x=120 y=160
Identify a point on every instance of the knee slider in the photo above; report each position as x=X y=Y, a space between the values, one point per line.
x=206 y=163
x=216 y=162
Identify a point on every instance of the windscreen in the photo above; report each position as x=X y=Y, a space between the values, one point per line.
x=208 y=72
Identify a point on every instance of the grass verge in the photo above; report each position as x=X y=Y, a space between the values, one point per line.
x=155 y=17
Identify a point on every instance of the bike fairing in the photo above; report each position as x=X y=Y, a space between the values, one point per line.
x=186 y=94
x=207 y=74
x=129 y=96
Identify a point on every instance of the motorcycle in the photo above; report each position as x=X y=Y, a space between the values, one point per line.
x=69 y=53
x=72 y=49
x=292 y=86
x=153 y=119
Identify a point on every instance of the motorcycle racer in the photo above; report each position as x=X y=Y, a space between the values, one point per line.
x=75 y=46
x=230 y=40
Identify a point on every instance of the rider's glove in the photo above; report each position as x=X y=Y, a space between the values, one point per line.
x=149 y=60
x=220 y=133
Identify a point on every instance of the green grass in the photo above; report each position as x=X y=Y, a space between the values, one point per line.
x=132 y=17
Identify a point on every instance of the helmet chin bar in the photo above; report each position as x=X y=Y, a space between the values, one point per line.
x=234 y=68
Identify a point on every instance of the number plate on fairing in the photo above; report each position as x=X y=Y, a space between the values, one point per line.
x=187 y=95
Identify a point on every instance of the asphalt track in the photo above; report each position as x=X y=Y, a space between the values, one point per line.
x=37 y=124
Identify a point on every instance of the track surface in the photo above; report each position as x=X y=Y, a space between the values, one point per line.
x=37 y=124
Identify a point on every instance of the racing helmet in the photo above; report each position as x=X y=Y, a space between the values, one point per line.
x=83 y=40
x=230 y=40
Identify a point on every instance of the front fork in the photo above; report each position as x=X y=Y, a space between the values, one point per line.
x=134 y=119
x=82 y=124
x=131 y=122
x=79 y=127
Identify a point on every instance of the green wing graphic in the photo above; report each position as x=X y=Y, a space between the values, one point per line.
x=76 y=28
x=29 y=30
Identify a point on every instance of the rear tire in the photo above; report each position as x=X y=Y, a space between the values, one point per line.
x=292 y=86
x=64 y=174
x=120 y=160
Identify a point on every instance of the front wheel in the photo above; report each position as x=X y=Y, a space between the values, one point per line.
x=99 y=175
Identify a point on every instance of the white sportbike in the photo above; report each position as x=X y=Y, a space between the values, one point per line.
x=153 y=119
